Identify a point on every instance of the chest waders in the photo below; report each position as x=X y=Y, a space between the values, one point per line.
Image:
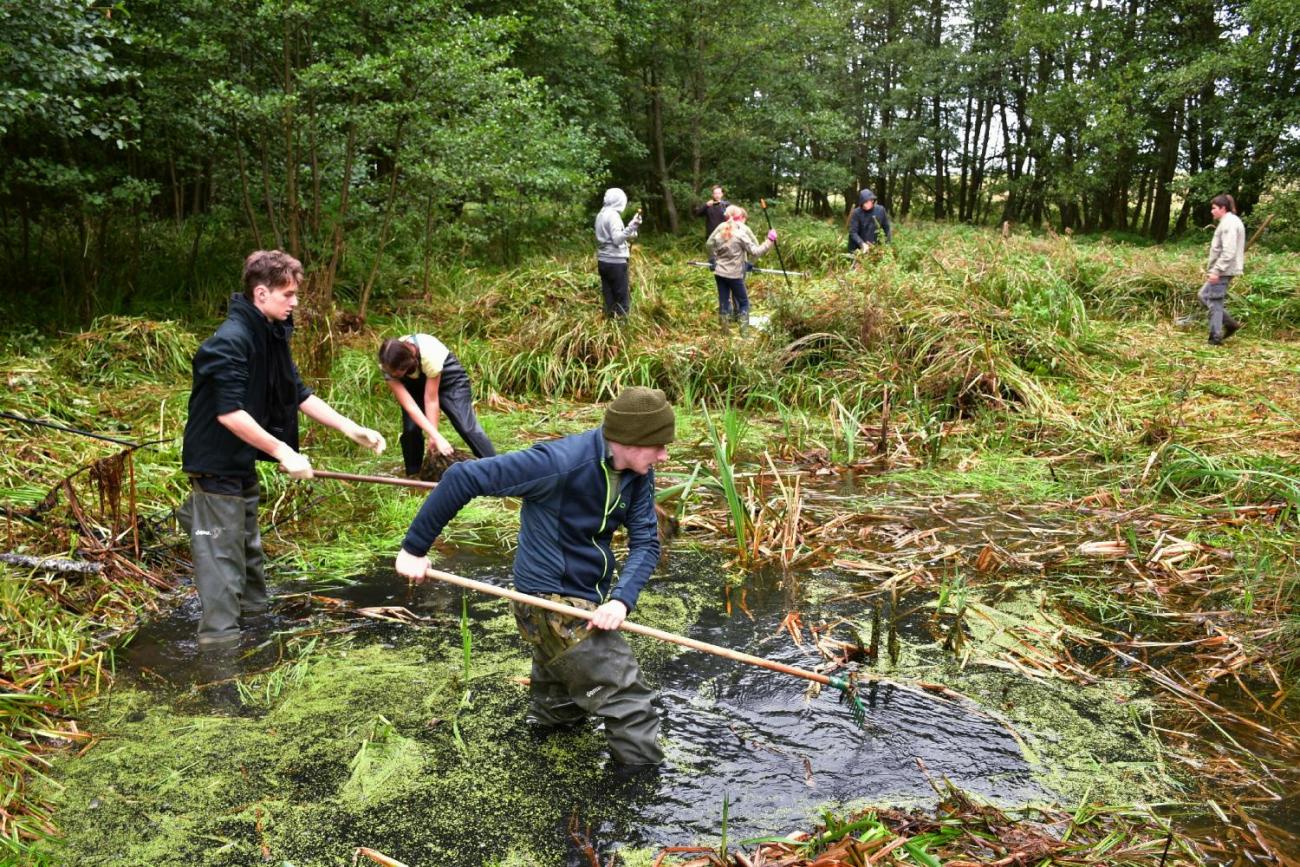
x=579 y=672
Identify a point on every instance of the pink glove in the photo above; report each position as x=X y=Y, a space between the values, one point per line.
x=771 y=235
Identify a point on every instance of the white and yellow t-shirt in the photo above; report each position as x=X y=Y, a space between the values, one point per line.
x=433 y=355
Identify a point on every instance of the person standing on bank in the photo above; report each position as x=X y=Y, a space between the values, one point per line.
x=714 y=212
x=576 y=492
x=243 y=408
x=868 y=224
x=612 y=251
x=427 y=379
x=1227 y=260
x=731 y=245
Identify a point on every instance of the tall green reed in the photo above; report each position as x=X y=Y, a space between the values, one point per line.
x=723 y=450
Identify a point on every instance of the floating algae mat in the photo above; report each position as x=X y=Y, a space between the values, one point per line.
x=375 y=739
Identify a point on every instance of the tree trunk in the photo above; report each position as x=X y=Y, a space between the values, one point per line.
x=269 y=199
x=940 y=167
x=1167 y=147
x=661 y=158
x=966 y=158
x=245 y=199
x=290 y=152
x=326 y=286
x=178 y=194
x=388 y=221
x=981 y=164
x=427 y=249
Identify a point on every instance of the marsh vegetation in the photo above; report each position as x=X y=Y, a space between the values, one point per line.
x=987 y=462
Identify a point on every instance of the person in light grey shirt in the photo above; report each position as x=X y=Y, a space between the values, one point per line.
x=1227 y=258
x=612 y=250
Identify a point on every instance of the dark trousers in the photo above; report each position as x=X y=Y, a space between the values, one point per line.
x=579 y=672
x=733 y=297
x=456 y=400
x=613 y=286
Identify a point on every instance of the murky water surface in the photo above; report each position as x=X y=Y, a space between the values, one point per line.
x=755 y=738
x=731 y=729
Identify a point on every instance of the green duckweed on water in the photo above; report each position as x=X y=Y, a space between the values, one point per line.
x=350 y=745
x=356 y=752
x=1084 y=740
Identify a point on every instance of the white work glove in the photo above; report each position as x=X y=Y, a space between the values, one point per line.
x=368 y=439
x=294 y=463
x=635 y=223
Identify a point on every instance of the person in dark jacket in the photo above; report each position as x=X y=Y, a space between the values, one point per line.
x=868 y=224
x=576 y=492
x=244 y=408
x=714 y=211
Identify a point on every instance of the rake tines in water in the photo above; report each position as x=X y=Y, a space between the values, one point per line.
x=846 y=686
x=849 y=695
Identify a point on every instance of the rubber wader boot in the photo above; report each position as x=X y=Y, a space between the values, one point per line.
x=579 y=671
x=724 y=322
x=550 y=634
x=216 y=670
x=743 y=319
x=603 y=678
x=549 y=705
x=217 y=525
x=254 y=599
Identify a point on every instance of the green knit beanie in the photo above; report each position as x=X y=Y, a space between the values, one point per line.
x=640 y=417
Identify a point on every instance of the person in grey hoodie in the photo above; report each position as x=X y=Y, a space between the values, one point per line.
x=1227 y=258
x=612 y=250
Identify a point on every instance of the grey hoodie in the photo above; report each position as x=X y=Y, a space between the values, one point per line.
x=611 y=237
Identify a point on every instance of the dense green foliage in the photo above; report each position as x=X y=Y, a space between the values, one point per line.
x=148 y=144
x=1019 y=372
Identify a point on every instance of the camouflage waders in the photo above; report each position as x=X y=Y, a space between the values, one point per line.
x=226 y=546
x=579 y=671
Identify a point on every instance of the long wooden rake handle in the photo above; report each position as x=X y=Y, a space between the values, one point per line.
x=637 y=628
x=383 y=480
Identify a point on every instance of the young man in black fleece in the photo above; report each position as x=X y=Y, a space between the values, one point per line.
x=244 y=408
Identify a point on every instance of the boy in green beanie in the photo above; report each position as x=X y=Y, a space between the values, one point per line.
x=576 y=492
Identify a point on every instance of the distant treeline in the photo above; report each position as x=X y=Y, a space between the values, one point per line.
x=148 y=143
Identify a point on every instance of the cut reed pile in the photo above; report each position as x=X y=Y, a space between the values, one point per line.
x=124 y=350
x=960 y=833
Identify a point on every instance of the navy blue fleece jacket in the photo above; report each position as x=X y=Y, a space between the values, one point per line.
x=567 y=520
